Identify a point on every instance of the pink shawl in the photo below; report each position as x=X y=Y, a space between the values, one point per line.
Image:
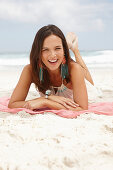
x=105 y=108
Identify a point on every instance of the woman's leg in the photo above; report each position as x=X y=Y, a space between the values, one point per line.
x=72 y=42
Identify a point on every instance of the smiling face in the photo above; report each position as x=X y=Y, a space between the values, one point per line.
x=52 y=52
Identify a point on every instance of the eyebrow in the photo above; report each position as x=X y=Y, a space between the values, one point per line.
x=55 y=47
x=45 y=48
x=58 y=46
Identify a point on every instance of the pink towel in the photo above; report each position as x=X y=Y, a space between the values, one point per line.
x=105 y=108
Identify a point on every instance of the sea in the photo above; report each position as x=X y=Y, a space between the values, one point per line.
x=93 y=59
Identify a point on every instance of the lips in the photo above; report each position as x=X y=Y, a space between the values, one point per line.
x=53 y=61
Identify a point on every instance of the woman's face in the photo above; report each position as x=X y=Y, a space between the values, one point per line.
x=52 y=52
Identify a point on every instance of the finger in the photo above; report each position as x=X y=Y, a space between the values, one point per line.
x=67 y=103
x=66 y=106
x=71 y=104
x=69 y=100
x=75 y=103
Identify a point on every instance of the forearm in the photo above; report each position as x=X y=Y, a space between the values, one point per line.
x=17 y=104
x=46 y=103
x=20 y=104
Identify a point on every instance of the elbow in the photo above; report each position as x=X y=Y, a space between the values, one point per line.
x=10 y=105
x=85 y=107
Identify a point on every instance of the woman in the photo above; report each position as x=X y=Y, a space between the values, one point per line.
x=51 y=68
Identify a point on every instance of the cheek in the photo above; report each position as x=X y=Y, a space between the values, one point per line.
x=60 y=53
x=61 y=56
x=43 y=58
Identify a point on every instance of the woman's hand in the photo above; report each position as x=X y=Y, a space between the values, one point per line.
x=66 y=102
x=72 y=41
x=54 y=102
x=35 y=104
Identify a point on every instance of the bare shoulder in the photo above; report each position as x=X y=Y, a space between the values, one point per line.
x=26 y=75
x=27 y=68
x=75 y=68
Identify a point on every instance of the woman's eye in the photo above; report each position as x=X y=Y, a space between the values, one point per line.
x=44 y=50
x=58 y=48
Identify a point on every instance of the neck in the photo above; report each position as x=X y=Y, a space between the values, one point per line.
x=55 y=77
x=54 y=74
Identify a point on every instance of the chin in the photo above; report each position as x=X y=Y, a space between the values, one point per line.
x=53 y=68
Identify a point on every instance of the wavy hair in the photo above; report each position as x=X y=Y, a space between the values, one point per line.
x=36 y=52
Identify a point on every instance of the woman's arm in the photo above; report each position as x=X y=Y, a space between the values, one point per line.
x=54 y=102
x=72 y=42
x=79 y=92
x=79 y=87
x=42 y=102
x=20 y=92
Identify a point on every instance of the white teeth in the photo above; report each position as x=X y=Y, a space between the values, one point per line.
x=52 y=61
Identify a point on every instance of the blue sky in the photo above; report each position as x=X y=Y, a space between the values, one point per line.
x=91 y=20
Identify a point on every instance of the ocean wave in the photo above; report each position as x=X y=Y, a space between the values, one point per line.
x=92 y=58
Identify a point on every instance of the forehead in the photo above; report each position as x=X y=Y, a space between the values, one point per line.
x=52 y=40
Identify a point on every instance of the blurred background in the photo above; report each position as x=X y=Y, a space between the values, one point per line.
x=91 y=20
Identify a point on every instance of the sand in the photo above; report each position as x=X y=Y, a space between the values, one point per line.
x=50 y=142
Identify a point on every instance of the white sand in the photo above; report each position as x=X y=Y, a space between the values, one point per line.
x=50 y=142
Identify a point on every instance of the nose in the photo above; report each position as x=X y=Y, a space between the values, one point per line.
x=53 y=53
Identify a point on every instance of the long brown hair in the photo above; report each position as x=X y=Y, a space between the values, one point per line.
x=36 y=52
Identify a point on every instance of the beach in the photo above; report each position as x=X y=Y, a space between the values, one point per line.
x=51 y=33
x=50 y=142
